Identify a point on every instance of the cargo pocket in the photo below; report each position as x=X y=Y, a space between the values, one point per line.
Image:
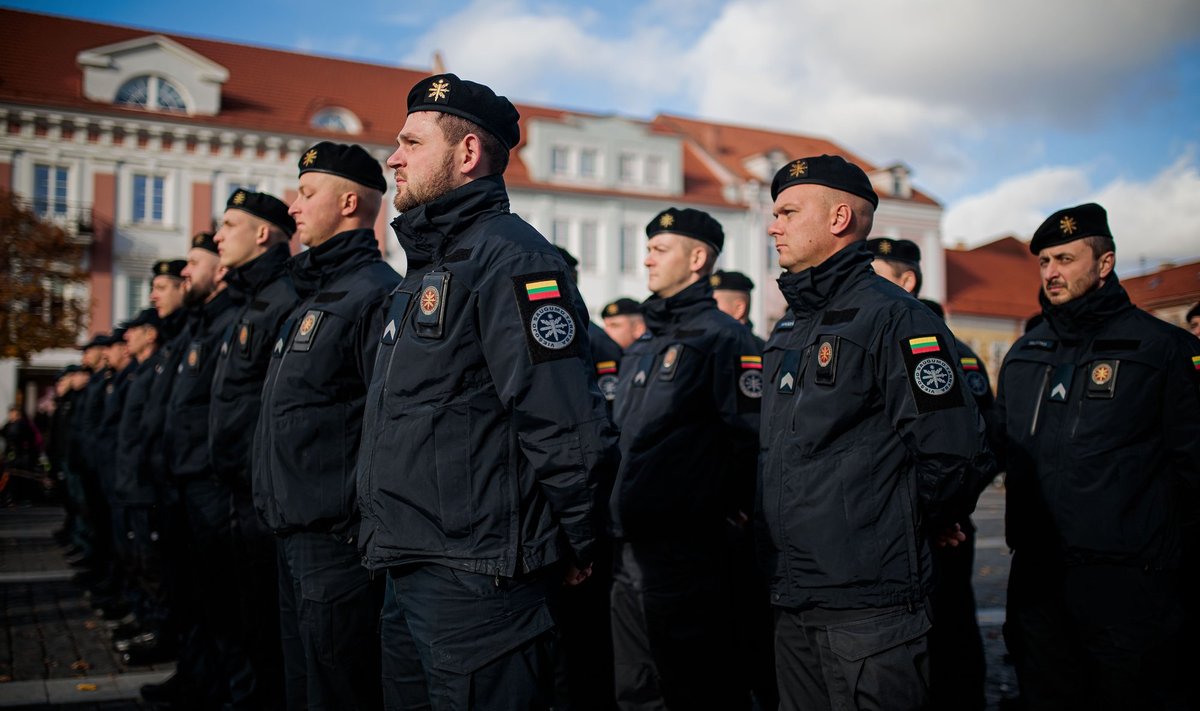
x=884 y=660
x=468 y=650
x=452 y=462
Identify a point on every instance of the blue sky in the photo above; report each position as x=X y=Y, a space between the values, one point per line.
x=1004 y=111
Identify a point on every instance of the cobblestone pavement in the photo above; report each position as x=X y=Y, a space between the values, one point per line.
x=54 y=653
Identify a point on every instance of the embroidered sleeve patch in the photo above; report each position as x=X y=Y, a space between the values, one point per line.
x=750 y=382
x=551 y=328
x=606 y=378
x=931 y=376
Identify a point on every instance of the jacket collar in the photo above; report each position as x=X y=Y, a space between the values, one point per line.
x=1079 y=318
x=813 y=288
x=247 y=280
x=662 y=314
x=343 y=253
x=428 y=232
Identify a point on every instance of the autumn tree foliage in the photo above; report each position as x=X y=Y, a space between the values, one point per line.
x=43 y=301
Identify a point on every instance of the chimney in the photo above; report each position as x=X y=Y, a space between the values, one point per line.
x=439 y=64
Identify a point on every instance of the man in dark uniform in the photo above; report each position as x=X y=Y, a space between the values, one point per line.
x=732 y=292
x=623 y=321
x=253 y=246
x=1193 y=320
x=486 y=437
x=957 y=665
x=1098 y=413
x=117 y=608
x=687 y=407
x=90 y=411
x=870 y=450
x=150 y=642
x=205 y=499
x=307 y=441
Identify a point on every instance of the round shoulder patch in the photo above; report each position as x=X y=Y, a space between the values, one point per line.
x=1102 y=373
x=608 y=386
x=552 y=327
x=825 y=354
x=751 y=383
x=976 y=383
x=934 y=376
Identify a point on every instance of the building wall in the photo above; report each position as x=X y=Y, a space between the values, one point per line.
x=989 y=337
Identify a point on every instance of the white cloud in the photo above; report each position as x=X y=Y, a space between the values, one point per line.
x=1153 y=221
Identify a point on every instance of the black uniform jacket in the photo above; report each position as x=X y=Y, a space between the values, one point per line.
x=263 y=296
x=1099 y=427
x=312 y=401
x=90 y=413
x=869 y=445
x=687 y=407
x=185 y=432
x=141 y=421
x=110 y=422
x=173 y=342
x=485 y=434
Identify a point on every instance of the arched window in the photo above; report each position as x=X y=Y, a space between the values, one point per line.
x=153 y=93
x=337 y=120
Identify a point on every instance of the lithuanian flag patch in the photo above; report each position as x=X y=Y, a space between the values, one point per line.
x=1196 y=362
x=751 y=362
x=924 y=344
x=969 y=363
x=606 y=366
x=539 y=290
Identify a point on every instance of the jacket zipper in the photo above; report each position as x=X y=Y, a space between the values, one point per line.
x=1037 y=408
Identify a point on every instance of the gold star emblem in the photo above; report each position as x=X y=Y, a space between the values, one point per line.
x=310 y=157
x=885 y=247
x=799 y=169
x=611 y=310
x=164 y=268
x=1067 y=225
x=714 y=280
x=666 y=220
x=438 y=90
x=239 y=197
x=198 y=240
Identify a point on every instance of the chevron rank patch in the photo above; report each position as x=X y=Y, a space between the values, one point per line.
x=931 y=376
x=394 y=324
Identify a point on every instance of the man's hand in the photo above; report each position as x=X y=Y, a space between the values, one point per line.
x=950 y=537
x=576 y=576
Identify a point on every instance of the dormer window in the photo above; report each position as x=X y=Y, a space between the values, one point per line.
x=152 y=93
x=336 y=120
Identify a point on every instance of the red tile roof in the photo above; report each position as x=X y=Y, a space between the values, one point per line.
x=731 y=145
x=997 y=279
x=1171 y=286
x=278 y=91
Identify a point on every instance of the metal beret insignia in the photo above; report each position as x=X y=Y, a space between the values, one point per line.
x=310 y=157
x=798 y=169
x=239 y=197
x=610 y=310
x=714 y=280
x=666 y=220
x=1067 y=225
x=885 y=247
x=439 y=90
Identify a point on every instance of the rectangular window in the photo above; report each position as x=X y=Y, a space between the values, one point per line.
x=587 y=163
x=629 y=247
x=137 y=295
x=558 y=160
x=560 y=232
x=627 y=168
x=49 y=190
x=148 y=193
x=654 y=171
x=589 y=234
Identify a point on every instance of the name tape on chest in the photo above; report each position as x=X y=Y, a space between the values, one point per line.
x=931 y=376
x=548 y=318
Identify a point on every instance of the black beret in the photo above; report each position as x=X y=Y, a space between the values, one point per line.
x=831 y=171
x=118 y=335
x=267 y=207
x=689 y=223
x=1070 y=224
x=93 y=342
x=448 y=94
x=67 y=370
x=351 y=162
x=1193 y=312
x=623 y=306
x=169 y=267
x=895 y=250
x=145 y=317
x=731 y=281
x=569 y=258
x=204 y=240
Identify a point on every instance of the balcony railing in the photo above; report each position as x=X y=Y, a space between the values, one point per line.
x=74 y=217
